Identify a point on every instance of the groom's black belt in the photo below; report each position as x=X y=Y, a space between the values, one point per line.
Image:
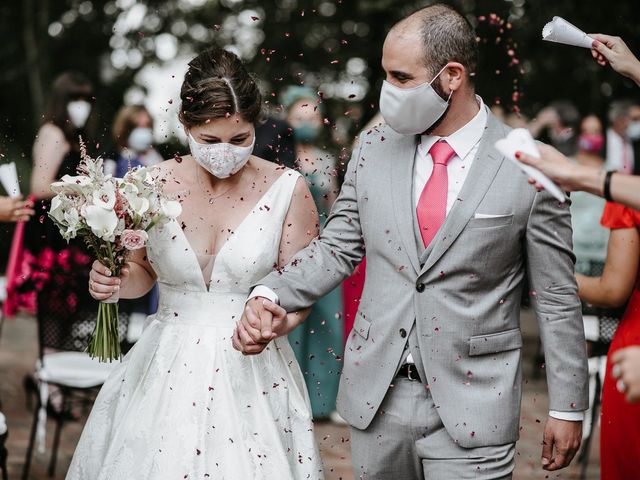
x=409 y=370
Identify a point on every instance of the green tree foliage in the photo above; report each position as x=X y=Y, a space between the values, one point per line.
x=333 y=46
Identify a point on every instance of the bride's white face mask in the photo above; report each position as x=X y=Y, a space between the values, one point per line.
x=220 y=159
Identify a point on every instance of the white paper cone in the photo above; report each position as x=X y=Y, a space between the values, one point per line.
x=560 y=31
x=9 y=179
x=520 y=140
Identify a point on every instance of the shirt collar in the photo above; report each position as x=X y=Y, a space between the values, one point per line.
x=463 y=139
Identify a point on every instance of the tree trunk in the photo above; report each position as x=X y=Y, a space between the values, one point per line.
x=34 y=76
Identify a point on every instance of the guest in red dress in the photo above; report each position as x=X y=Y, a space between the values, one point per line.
x=620 y=435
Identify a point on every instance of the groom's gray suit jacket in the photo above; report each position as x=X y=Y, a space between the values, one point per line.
x=464 y=300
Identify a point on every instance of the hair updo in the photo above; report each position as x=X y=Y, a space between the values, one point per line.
x=217 y=85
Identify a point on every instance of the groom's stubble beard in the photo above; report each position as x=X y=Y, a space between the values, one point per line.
x=440 y=91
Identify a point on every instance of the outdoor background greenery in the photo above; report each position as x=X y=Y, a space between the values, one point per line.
x=333 y=46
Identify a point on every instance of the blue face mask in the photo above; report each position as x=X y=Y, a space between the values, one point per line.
x=306 y=133
x=140 y=139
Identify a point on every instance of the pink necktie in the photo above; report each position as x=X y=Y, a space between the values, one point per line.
x=432 y=206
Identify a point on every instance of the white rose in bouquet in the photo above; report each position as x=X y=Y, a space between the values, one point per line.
x=105 y=197
x=170 y=208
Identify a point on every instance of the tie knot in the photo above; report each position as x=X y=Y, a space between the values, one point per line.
x=441 y=152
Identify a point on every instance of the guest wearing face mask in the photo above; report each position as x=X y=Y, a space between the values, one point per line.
x=133 y=136
x=619 y=150
x=557 y=124
x=633 y=132
x=56 y=151
x=590 y=238
x=318 y=341
x=63 y=305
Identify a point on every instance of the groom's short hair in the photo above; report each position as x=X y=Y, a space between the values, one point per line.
x=447 y=37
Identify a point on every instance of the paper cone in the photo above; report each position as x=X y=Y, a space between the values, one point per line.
x=560 y=31
x=9 y=179
x=520 y=140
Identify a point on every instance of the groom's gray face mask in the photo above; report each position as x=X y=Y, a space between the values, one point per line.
x=410 y=111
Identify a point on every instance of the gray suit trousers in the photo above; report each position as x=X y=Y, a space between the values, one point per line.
x=407 y=441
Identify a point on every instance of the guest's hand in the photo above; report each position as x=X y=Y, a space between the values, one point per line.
x=626 y=369
x=102 y=284
x=547 y=117
x=15 y=209
x=261 y=322
x=555 y=166
x=613 y=50
x=560 y=443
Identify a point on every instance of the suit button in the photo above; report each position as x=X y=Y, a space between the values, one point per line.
x=403 y=332
x=420 y=287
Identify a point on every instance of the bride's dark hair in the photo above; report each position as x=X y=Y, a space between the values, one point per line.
x=218 y=85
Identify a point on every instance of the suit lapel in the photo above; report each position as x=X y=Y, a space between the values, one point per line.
x=402 y=154
x=483 y=170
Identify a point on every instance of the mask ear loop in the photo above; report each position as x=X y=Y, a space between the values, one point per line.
x=437 y=75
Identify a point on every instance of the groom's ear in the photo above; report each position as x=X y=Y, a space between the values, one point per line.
x=453 y=76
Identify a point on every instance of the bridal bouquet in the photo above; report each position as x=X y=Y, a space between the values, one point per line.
x=112 y=216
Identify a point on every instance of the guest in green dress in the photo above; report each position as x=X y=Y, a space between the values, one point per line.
x=318 y=341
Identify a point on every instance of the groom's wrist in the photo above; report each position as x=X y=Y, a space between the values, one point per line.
x=568 y=416
x=264 y=292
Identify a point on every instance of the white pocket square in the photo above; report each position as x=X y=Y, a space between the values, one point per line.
x=489 y=215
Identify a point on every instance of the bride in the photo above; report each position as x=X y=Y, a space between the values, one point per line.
x=183 y=404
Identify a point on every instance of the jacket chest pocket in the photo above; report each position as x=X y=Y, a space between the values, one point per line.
x=488 y=222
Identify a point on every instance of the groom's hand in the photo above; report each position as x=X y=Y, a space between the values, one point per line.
x=261 y=322
x=561 y=442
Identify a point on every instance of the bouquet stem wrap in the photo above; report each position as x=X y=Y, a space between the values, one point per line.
x=104 y=343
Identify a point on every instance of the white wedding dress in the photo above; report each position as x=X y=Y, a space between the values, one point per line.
x=184 y=404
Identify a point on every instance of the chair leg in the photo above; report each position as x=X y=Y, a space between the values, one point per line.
x=56 y=444
x=30 y=390
x=64 y=410
x=584 y=456
x=32 y=441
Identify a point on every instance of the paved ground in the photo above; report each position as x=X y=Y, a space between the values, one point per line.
x=18 y=352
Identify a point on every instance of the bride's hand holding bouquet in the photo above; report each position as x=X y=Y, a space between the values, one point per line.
x=112 y=216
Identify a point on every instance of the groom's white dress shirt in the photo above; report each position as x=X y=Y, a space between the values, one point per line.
x=465 y=142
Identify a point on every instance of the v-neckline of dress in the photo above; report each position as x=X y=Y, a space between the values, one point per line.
x=206 y=285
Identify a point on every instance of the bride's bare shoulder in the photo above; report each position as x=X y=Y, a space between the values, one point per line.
x=171 y=173
x=268 y=172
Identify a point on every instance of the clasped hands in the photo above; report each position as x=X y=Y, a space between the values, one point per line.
x=261 y=322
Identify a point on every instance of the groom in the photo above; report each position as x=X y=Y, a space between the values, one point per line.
x=431 y=382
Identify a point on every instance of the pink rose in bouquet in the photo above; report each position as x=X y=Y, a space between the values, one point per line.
x=134 y=239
